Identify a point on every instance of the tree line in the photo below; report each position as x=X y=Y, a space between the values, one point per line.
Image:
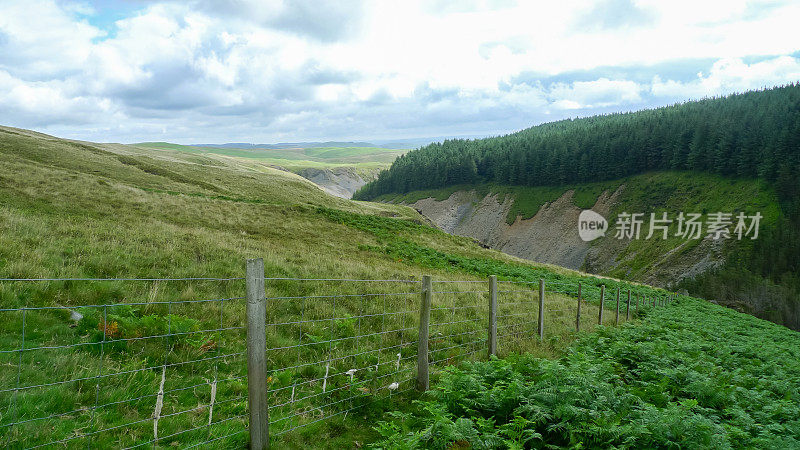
x=754 y=134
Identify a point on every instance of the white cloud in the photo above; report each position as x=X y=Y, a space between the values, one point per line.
x=40 y=40
x=50 y=102
x=271 y=70
x=731 y=75
x=595 y=94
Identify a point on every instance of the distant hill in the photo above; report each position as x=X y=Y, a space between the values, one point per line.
x=367 y=161
x=288 y=145
x=394 y=144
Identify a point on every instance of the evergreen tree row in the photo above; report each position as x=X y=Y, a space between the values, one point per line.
x=754 y=134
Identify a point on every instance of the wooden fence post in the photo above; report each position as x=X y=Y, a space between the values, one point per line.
x=616 y=319
x=602 y=301
x=423 y=381
x=628 y=309
x=257 y=355
x=492 y=315
x=578 y=316
x=541 y=308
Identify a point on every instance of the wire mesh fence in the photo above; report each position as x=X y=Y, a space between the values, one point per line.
x=458 y=325
x=167 y=364
x=517 y=313
x=329 y=354
x=135 y=372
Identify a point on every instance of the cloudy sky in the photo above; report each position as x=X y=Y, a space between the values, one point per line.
x=275 y=71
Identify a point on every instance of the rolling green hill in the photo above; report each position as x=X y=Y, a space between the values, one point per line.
x=81 y=210
x=751 y=138
x=364 y=158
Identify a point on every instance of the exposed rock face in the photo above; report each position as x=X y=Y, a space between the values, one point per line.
x=340 y=181
x=551 y=236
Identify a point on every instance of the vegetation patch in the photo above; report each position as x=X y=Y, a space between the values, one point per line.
x=692 y=375
x=396 y=239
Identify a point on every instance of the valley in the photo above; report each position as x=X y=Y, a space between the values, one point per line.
x=339 y=171
x=146 y=232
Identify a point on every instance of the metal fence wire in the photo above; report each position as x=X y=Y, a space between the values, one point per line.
x=166 y=364
x=136 y=372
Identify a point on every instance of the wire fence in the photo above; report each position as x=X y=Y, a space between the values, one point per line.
x=168 y=366
x=328 y=355
x=125 y=374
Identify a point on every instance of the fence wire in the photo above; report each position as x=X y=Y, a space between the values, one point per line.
x=332 y=354
x=131 y=363
x=159 y=364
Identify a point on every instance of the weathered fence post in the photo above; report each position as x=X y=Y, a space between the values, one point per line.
x=602 y=301
x=541 y=308
x=616 y=319
x=492 y=315
x=423 y=382
x=628 y=309
x=578 y=316
x=257 y=355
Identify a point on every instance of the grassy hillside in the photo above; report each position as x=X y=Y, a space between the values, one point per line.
x=294 y=159
x=74 y=209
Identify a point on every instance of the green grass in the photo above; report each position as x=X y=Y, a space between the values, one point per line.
x=168 y=145
x=363 y=158
x=691 y=375
x=73 y=210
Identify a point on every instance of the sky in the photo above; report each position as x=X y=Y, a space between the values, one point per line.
x=263 y=71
